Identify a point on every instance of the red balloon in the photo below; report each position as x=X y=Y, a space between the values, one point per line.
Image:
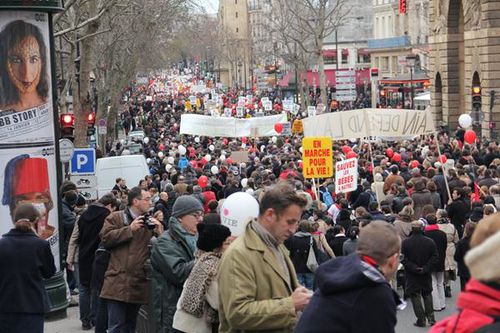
x=351 y=154
x=396 y=157
x=225 y=142
x=414 y=164
x=346 y=149
x=229 y=160
x=203 y=160
x=470 y=136
x=162 y=147
x=278 y=127
x=203 y=181
x=193 y=163
x=389 y=152
x=443 y=159
x=244 y=139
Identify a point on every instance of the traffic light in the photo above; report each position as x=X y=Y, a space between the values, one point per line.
x=90 y=124
x=383 y=100
x=67 y=122
x=476 y=98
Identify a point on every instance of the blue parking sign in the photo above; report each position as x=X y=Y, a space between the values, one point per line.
x=83 y=161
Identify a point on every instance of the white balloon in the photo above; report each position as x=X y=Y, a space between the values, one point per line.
x=162 y=136
x=274 y=139
x=197 y=140
x=182 y=150
x=145 y=140
x=249 y=191
x=208 y=157
x=168 y=167
x=171 y=153
x=465 y=120
x=214 y=169
x=170 y=160
x=300 y=149
x=223 y=152
x=211 y=147
x=122 y=141
x=244 y=182
x=243 y=165
x=243 y=145
x=160 y=154
x=237 y=210
x=222 y=158
x=262 y=148
x=148 y=160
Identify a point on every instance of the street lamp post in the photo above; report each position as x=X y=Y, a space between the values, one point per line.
x=239 y=73
x=410 y=62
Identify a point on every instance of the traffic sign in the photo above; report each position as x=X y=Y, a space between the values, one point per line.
x=102 y=122
x=66 y=149
x=84 y=181
x=83 y=161
x=102 y=130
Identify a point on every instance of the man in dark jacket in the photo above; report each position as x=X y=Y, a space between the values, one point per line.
x=89 y=226
x=419 y=255
x=349 y=286
x=69 y=218
x=439 y=237
x=458 y=210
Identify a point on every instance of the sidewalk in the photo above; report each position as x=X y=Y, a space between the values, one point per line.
x=70 y=324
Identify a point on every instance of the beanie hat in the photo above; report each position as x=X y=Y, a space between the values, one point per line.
x=185 y=205
x=482 y=260
x=211 y=236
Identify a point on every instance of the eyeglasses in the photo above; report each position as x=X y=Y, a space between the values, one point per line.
x=198 y=215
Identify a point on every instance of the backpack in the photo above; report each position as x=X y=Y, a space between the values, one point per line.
x=326 y=198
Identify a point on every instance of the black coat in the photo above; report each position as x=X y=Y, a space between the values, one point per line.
x=439 y=238
x=25 y=260
x=351 y=298
x=162 y=206
x=462 y=248
x=335 y=243
x=419 y=255
x=211 y=218
x=89 y=225
x=458 y=212
x=299 y=246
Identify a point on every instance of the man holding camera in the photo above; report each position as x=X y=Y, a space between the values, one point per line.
x=126 y=234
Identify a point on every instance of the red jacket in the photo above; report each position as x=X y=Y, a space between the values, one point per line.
x=478 y=305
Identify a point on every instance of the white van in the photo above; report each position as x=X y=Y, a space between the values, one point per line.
x=132 y=168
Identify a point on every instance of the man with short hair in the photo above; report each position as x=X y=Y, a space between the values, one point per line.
x=259 y=288
x=127 y=235
x=162 y=205
x=393 y=178
x=353 y=291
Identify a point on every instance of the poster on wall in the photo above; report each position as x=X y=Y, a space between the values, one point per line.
x=27 y=143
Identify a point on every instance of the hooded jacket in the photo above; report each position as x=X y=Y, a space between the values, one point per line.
x=348 y=288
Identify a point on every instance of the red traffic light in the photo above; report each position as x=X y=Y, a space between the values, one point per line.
x=67 y=120
x=91 y=117
x=382 y=93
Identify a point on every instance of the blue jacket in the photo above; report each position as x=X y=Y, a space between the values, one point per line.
x=25 y=260
x=353 y=297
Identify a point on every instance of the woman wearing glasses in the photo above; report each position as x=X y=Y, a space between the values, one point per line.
x=172 y=259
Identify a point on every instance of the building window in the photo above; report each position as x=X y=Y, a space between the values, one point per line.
x=235 y=2
x=236 y=14
x=237 y=30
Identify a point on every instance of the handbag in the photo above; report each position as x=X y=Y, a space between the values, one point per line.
x=312 y=263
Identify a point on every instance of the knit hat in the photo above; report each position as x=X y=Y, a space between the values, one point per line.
x=211 y=236
x=185 y=205
x=482 y=260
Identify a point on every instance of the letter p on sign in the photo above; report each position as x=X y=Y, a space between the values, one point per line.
x=83 y=161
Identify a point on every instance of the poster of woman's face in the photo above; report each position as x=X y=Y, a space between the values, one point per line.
x=25 y=94
x=27 y=149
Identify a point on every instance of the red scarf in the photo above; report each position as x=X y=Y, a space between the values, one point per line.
x=432 y=227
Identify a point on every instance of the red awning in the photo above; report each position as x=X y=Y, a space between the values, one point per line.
x=345 y=51
x=363 y=52
x=330 y=53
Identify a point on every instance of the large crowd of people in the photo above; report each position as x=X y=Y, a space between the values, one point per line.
x=424 y=214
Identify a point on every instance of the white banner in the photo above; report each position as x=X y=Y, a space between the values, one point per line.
x=346 y=175
x=370 y=122
x=230 y=127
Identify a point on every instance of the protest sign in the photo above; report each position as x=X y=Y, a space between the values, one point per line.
x=268 y=106
x=297 y=126
x=317 y=157
x=346 y=175
x=240 y=111
x=227 y=112
x=370 y=122
x=311 y=111
x=287 y=129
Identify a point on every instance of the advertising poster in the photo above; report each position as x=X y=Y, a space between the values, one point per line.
x=27 y=150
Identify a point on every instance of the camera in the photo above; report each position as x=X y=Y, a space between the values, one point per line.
x=148 y=223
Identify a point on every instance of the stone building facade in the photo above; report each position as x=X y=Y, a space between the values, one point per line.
x=465 y=52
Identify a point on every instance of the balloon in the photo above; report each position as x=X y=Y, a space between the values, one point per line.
x=203 y=181
x=389 y=152
x=203 y=160
x=243 y=165
x=351 y=154
x=122 y=141
x=229 y=160
x=443 y=159
x=145 y=140
x=278 y=127
x=300 y=149
x=170 y=160
x=223 y=152
x=208 y=158
x=244 y=139
x=465 y=120
x=214 y=170
x=148 y=160
x=396 y=157
x=244 y=182
x=168 y=167
x=211 y=147
x=243 y=145
x=182 y=150
x=197 y=140
x=222 y=158
x=194 y=164
x=237 y=210
x=224 y=142
x=161 y=146
x=470 y=136
x=414 y=164
x=346 y=149
x=274 y=139
x=160 y=154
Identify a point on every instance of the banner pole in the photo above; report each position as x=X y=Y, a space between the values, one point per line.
x=443 y=167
